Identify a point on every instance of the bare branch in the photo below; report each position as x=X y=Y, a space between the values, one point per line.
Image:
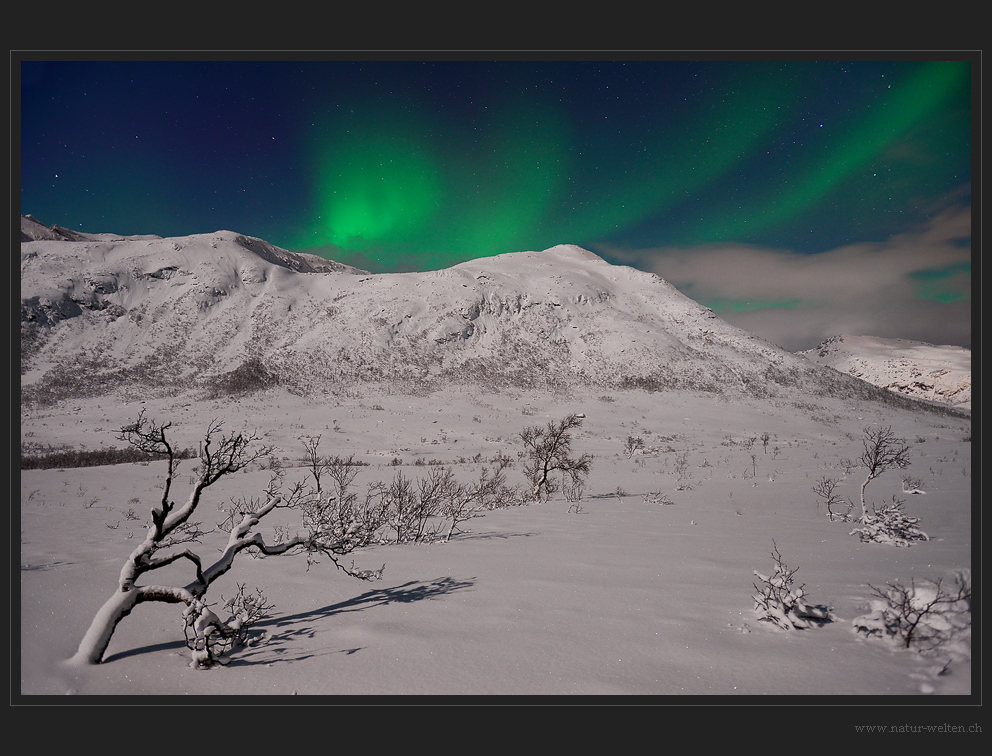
x=926 y=615
x=825 y=489
x=318 y=465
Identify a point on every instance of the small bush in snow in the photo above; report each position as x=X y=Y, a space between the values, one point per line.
x=891 y=525
x=927 y=616
x=838 y=508
x=911 y=485
x=572 y=489
x=783 y=604
x=632 y=445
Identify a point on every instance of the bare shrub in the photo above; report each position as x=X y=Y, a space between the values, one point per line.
x=573 y=489
x=783 y=604
x=413 y=508
x=912 y=485
x=891 y=525
x=316 y=464
x=632 y=445
x=682 y=471
x=367 y=517
x=848 y=465
x=927 y=616
x=825 y=488
x=490 y=491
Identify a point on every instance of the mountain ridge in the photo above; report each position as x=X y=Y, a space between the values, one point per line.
x=225 y=312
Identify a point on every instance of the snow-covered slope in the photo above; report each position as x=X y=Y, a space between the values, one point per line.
x=913 y=368
x=225 y=312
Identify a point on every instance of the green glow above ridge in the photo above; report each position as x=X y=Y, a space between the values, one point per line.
x=402 y=190
x=507 y=183
x=397 y=188
x=694 y=150
x=375 y=188
x=946 y=285
x=401 y=183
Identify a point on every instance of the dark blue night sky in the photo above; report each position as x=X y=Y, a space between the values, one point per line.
x=673 y=166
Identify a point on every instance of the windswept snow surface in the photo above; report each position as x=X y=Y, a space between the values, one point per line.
x=913 y=368
x=629 y=596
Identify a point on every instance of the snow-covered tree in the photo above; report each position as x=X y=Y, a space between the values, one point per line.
x=172 y=530
x=548 y=451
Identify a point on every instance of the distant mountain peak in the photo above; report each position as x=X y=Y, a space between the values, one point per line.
x=937 y=373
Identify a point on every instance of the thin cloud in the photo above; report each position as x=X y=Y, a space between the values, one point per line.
x=798 y=300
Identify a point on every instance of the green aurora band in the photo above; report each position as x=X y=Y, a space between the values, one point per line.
x=395 y=188
x=945 y=285
x=383 y=190
x=854 y=148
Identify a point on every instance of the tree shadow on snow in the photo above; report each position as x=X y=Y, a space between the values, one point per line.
x=407 y=593
x=467 y=536
x=169 y=646
x=288 y=627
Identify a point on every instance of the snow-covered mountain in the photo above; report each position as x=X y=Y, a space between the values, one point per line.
x=224 y=312
x=913 y=368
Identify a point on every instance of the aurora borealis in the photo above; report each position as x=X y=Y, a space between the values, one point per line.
x=703 y=172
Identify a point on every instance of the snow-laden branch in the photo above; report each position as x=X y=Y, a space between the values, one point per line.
x=171 y=526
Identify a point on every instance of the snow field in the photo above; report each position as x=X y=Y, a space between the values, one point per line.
x=624 y=597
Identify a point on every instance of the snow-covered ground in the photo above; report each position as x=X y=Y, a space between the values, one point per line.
x=627 y=596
